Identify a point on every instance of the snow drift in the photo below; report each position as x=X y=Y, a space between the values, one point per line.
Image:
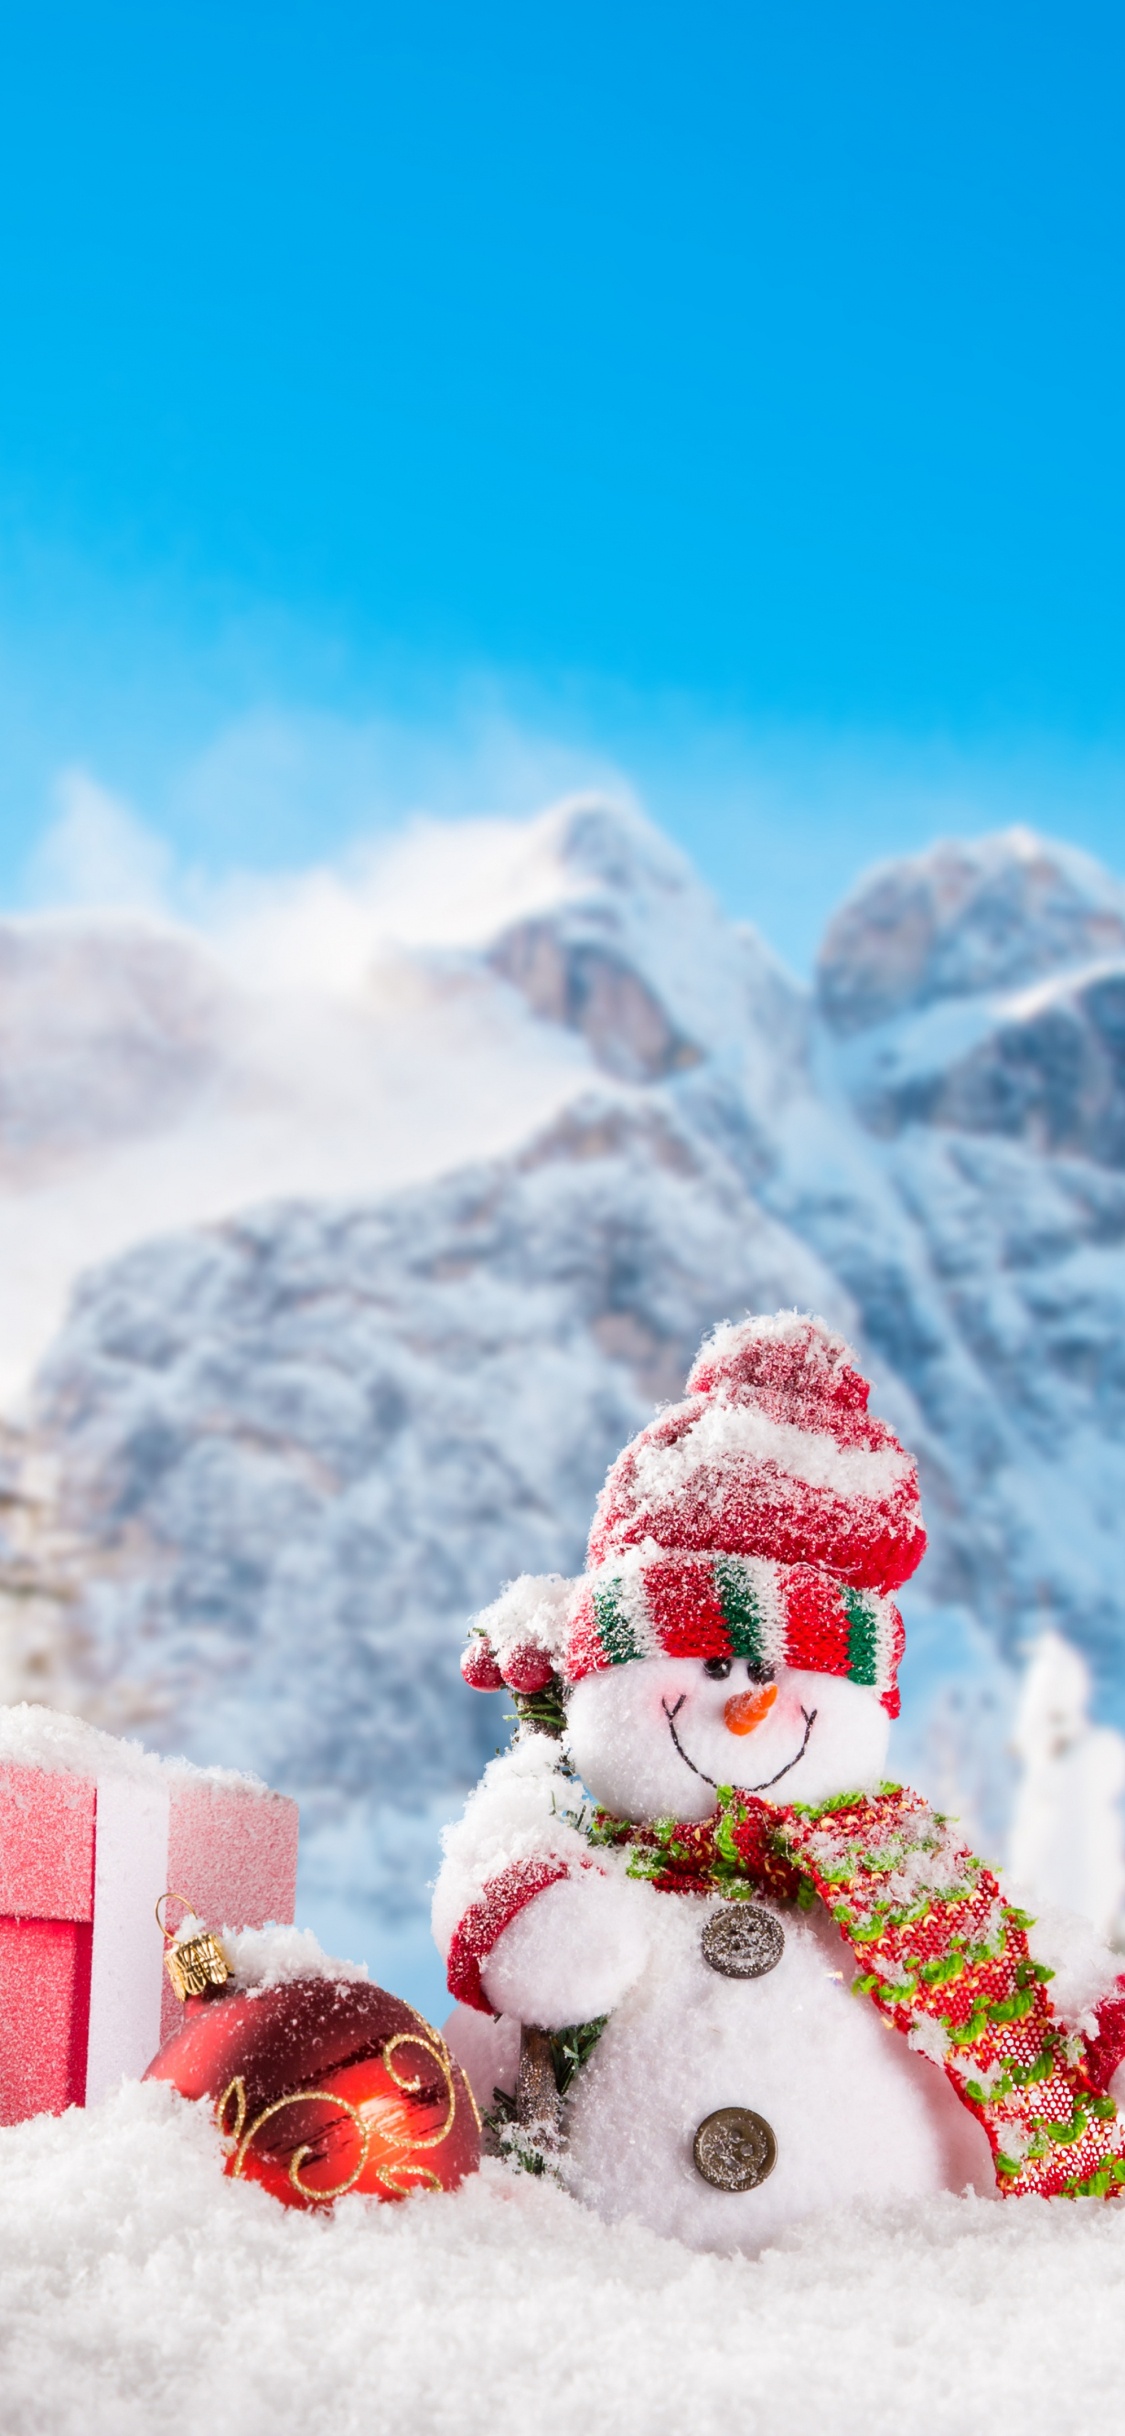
x=136 y=2283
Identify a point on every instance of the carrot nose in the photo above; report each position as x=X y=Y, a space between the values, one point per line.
x=747 y=1709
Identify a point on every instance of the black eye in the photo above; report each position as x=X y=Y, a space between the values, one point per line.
x=757 y=1672
x=717 y=1668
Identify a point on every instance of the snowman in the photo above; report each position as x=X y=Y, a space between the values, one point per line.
x=713 y=1971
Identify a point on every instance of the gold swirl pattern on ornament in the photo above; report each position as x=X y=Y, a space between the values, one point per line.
x=436 y=2050
x=421 y=2175
x=240 y=2141
x=232 y=2133
x=433 y=2040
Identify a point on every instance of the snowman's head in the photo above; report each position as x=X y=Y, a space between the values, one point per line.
x=735 y=1624
x=657 y=1737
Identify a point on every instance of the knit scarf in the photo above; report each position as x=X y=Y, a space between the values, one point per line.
x=941 y=1954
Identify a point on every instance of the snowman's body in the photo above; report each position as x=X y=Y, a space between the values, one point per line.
x=855 y=2114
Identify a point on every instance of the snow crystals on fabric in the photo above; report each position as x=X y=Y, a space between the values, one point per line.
x=520 y=1831
x=773 y=1453
x=680 y=1605
x=767 y=1518
x=792 y=1363
x=741 y=1437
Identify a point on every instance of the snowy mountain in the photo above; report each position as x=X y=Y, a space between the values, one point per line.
x=151 y=1079
x=308 y=1444
x=297 y=1445
x=966 y=1030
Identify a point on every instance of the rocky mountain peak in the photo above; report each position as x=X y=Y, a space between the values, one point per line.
x=981 y=988
x=991 y=914
x=627 y=946
x=614 y=848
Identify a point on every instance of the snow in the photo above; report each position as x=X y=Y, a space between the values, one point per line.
x=518 y=1812
x=272 y=1957
x=34 y=1736
x=736 y=1435
x=1085 y=1968
x=572 y=1955
x=141 y=2289
x=534 y=1609
x=970 y=915
x=907 y=1054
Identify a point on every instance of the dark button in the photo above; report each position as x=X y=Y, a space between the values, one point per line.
x=743 y=1941
x=734 y=2149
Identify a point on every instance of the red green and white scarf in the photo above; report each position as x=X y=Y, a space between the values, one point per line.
x=941 y=1954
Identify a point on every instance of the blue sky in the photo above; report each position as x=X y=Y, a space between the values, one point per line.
x=448 y=404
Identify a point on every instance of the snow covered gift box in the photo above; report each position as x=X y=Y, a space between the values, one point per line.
x=92 y=1833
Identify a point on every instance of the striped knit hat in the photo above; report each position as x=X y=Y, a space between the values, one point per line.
x=767 y=1517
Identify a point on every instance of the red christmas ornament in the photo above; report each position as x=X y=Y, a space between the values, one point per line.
x=322 y=2086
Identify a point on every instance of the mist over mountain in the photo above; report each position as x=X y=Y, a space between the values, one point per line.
x=295 y=1446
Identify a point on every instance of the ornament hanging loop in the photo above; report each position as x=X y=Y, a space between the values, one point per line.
x=195 y=1965
x=172 y=1897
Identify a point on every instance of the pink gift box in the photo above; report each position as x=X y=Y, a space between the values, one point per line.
x=92 y=1833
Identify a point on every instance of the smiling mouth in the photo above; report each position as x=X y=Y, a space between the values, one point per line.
x=809 y=1715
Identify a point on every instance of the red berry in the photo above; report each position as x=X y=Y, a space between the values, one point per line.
x=528 y=1669
x=479 y=1667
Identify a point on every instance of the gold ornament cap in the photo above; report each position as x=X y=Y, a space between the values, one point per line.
x=194 y=1964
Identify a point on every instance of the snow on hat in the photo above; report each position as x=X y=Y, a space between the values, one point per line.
x=651 y=1603
x=772 y=1453
x=768 y=1516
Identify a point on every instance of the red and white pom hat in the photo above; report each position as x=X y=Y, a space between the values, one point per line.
x=768 y=1517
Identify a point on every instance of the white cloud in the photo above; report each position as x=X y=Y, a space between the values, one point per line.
x=290 y=784
x=430 y=883
x=98 y=854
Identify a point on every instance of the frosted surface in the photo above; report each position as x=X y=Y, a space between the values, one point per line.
x=137 y=2284
x=271 y=1957
x=32 y=1736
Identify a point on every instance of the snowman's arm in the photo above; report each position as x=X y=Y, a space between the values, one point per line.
x=530 y=1924
x=568 y=1953
x=485 y=1922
